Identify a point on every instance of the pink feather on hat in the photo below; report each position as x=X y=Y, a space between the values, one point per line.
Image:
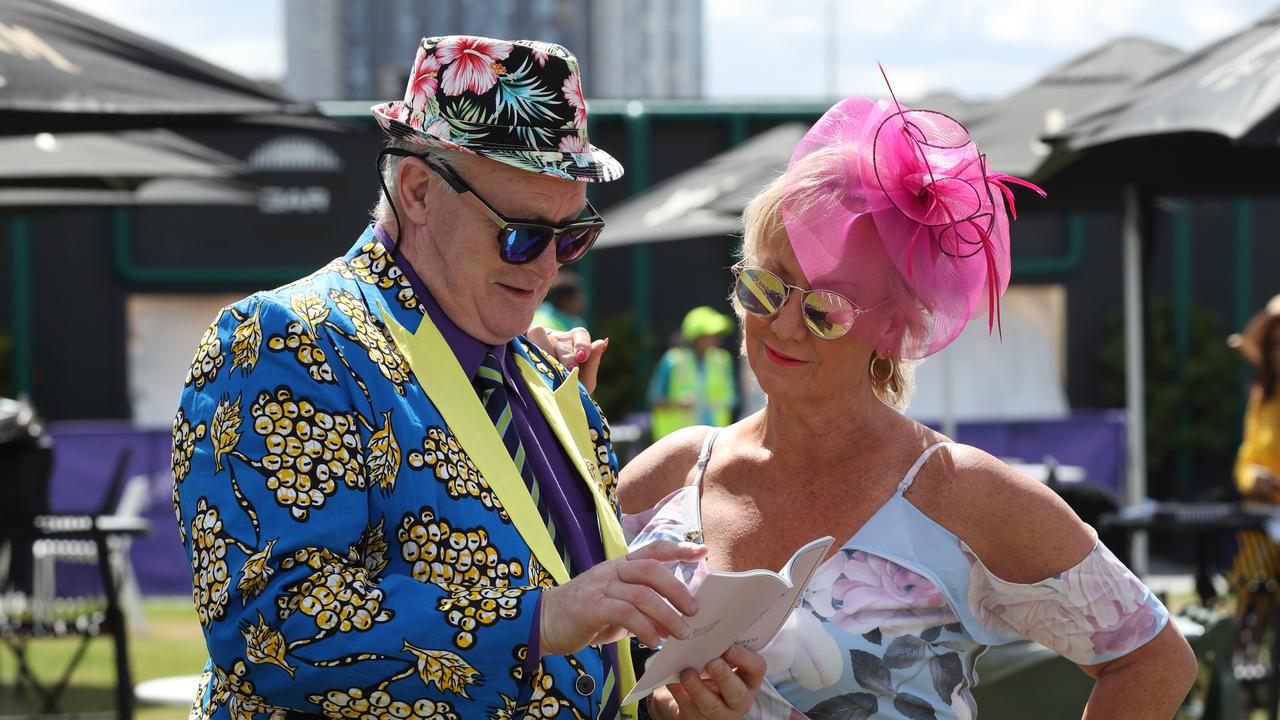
x=897 y=210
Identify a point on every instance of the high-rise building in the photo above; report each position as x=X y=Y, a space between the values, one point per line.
x=645 y=49
x=361 y=49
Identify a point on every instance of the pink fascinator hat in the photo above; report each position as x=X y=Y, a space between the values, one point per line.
x=897 y=210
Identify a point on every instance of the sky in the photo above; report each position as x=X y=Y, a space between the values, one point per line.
x=980 y=49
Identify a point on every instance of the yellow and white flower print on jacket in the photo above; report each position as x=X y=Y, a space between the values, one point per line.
x=348 y=559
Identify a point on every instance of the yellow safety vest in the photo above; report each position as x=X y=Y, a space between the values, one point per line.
x=711 y=391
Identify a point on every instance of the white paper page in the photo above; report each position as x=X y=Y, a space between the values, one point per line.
x=798 y=571
x=744 y=608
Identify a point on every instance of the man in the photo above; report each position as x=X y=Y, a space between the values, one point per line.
x=693 y=382
x=384 y=491
x=565 y=304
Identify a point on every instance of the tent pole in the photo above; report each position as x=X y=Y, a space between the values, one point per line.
x=1183 y=324
x=1244 y=305
x=1136 y=436
x=20 y=277
x=637 y=125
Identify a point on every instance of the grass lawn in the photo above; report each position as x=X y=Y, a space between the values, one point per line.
x=172 y=645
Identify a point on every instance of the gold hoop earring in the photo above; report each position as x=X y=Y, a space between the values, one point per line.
x=888 y=365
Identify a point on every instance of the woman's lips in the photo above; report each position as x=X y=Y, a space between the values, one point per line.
x=782 y=358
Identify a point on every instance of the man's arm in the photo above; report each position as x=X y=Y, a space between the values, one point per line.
x=278 y=451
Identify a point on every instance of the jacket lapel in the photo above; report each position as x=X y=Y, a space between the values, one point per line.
x=562 y=408
x=449 y=389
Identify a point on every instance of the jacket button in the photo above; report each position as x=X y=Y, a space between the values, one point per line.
x=585 y=685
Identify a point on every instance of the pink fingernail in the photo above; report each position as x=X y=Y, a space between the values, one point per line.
x=581 y=355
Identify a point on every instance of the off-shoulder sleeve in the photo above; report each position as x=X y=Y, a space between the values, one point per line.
x=1093 y=612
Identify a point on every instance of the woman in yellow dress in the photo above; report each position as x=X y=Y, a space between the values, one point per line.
x=1255 y=572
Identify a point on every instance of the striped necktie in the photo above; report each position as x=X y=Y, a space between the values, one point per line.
x=490 y=387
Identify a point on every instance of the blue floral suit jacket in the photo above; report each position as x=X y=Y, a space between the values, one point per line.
x=350 y=557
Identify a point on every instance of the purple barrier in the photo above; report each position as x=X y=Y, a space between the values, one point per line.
x=85 y=453
x=84 y=457
x=1093 y=440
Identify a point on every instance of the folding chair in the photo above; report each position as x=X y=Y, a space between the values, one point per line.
x=26 y=614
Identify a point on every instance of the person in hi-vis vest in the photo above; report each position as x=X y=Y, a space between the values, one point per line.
x=393 y=503
x=693 y=383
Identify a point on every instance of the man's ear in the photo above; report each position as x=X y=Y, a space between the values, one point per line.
x=413 y=180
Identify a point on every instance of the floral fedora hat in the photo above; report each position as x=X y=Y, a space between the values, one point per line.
x=518 y=102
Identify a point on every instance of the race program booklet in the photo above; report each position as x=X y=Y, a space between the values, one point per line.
x=734 y=608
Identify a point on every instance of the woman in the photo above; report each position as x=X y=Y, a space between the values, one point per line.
x=1256 y=567
x=1258 y=461
x=883 y=237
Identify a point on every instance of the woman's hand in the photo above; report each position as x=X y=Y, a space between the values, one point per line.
x=1264 y=483
x=573 y=348
x=726 y=689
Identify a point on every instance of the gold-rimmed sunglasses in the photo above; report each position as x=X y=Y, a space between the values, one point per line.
x=828 y=314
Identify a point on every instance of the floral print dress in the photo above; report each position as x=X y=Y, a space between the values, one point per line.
x=893 y=623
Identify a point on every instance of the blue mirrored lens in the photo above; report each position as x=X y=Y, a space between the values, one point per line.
x=520 y=245
x=574 y=244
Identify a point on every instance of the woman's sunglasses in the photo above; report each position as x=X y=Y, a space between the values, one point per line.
x=829 y=315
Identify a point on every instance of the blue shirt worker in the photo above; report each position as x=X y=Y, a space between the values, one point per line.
x=394 y=505
x=693 y=383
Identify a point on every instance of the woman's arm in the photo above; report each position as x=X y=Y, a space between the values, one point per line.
x=1252 y=478
x=1024 y=534
x=1149 y=682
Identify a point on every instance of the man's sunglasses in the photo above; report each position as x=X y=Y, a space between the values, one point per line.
x=829 y=315
x=522 y=241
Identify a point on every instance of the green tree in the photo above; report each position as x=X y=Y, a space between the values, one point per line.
x=619 y=390
x=6 y=364
x=1188 y=407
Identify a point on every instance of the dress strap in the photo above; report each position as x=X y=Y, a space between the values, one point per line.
x=920 y=461
x=705 y=456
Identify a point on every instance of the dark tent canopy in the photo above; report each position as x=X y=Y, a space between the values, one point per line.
x=1009 y=131
x=1207 y=123
x=62 y=69
x=1229 y=88
x=115 y=159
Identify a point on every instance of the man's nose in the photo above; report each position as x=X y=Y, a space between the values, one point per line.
x=546 y=265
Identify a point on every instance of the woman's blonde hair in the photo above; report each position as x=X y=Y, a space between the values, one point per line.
x=892 y=379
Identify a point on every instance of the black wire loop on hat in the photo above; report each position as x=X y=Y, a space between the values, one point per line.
x=950 y=227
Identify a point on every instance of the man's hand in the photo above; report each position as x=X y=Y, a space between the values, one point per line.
x=573 y=348
x=633 y=594
x=726 y=689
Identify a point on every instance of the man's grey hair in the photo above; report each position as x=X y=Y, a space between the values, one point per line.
x=382 y=212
